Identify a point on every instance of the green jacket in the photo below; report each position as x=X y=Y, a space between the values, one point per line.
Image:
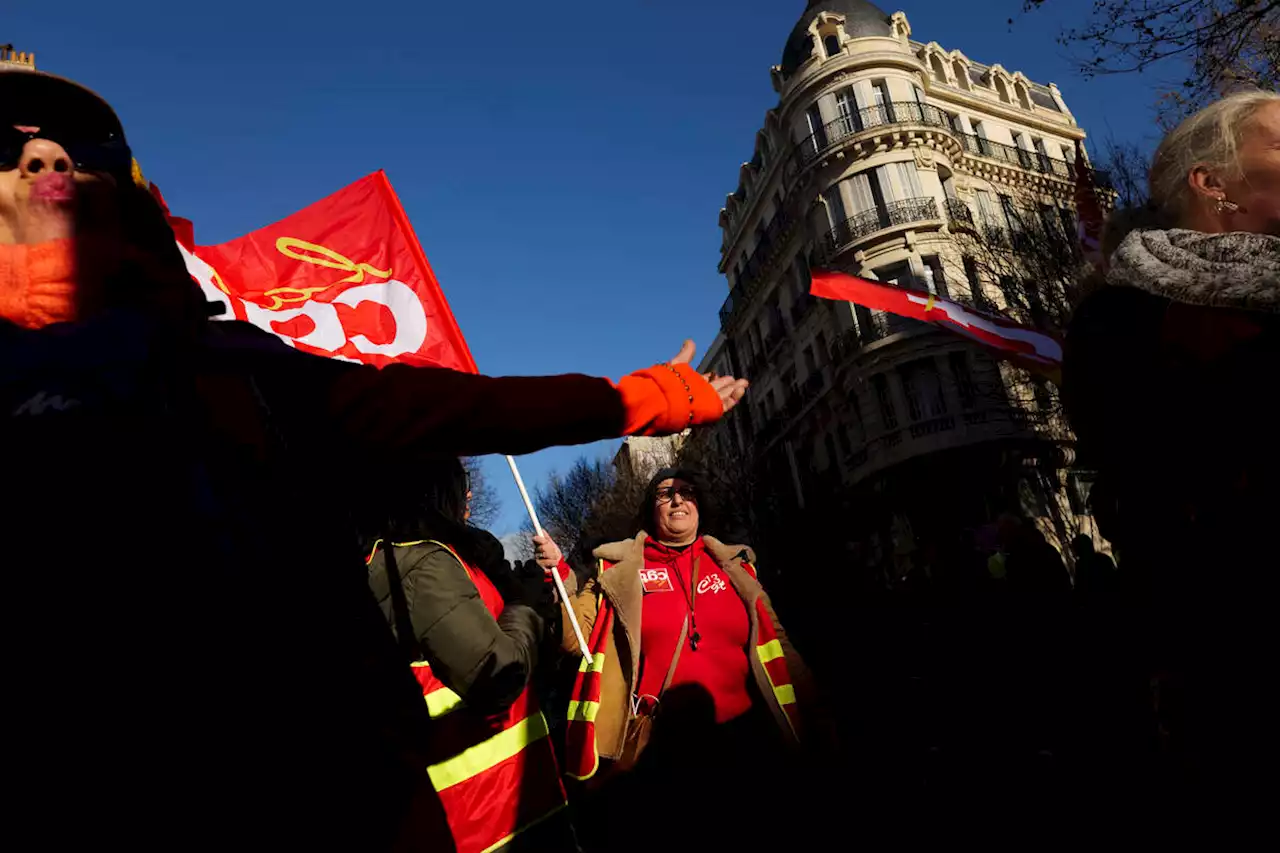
x=484 y=660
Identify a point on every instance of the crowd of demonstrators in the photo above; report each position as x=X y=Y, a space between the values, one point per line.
x=1167 y=374
x=211 y=664
x=693 y=690
x=206 y=663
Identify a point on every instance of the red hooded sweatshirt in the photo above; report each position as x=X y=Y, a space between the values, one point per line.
x=719 y=664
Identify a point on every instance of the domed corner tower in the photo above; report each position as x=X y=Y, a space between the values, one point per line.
x=910 y=163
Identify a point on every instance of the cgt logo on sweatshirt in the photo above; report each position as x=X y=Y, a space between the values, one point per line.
x=656 y=580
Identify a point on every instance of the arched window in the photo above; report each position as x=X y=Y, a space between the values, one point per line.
x=1001 y=90
x=832 y=44
x=939 y=72
x=962 y=75
x=1022 y=96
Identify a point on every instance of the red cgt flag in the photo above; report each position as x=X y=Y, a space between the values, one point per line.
x=343 y=278
x=1011 y=340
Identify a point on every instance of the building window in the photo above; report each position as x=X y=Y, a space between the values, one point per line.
x=848 y=113
x=1043 y=394
x=959 y=363
x=1023 y=100
x=923 y=389
x=908 y=178
x=1031 y=494
x=962 y=75
x=975 y=285
x=987 y=214
x=1010 y=213
x=939 y=72
x=887 y=414
x=1001 y=90
x=832 y=45
x=1068 y=222
x=835 y=207
x=882 y=100
x=934 y=276
x=1079 y=486
x=1049 y=221
x=817 y=138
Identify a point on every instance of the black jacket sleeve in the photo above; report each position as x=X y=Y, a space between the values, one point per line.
x=484 y=660
x=381 y=413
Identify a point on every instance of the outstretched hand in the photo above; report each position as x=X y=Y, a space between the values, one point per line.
x=731 y=390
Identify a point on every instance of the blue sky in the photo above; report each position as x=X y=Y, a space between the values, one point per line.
x=563 y=163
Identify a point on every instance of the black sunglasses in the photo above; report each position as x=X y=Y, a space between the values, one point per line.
x=108 y=154
x=666 y=493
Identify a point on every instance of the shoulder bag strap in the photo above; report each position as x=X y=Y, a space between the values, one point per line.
x=406 y=636
x=684 y=633
x=675 y=658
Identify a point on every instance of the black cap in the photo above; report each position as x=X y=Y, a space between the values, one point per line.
x=34 y=97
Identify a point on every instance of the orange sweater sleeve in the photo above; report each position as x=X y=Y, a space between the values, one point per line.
x=666 y=399
x=36 y=284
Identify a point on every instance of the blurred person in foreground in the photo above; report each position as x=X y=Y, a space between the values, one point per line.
x=471 y=630
x=206 y=666
x=693 y=691
x=1169 y=378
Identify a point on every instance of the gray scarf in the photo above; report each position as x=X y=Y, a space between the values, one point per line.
x=1233 y=270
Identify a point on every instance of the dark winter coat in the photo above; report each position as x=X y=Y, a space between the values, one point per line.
x=191 y=654
x=1170 y=375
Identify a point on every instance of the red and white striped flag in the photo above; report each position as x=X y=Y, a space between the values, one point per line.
x=1010 y=340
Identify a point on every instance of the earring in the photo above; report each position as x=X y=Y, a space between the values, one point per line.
x=1224 y=206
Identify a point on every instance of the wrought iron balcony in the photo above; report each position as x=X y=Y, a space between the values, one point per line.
x=757 y=265
x=868 y=222
x=1032 y=161
x=831 y=134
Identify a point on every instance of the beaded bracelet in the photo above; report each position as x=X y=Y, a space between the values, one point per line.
x=686 y=388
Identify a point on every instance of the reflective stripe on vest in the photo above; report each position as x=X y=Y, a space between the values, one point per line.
x=773 y=660
x=582 y=756
x=496 y=775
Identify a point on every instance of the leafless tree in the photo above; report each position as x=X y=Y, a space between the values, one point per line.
x=1217 y=45
x=485 y=503
x=589 y=504
x=742 y=498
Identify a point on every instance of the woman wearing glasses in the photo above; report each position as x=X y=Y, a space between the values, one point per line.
x=689 y=665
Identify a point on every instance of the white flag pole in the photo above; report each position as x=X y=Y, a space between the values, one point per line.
x=555 y=573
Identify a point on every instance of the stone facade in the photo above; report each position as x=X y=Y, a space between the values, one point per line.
x=881 y=154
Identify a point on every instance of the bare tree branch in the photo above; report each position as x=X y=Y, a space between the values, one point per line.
x=1226 y=44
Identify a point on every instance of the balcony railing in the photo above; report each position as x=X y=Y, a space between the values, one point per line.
x=755 y=267
x=1032 y=161
x=834 y=132
x=868 y=222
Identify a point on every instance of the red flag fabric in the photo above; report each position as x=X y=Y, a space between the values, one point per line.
x=1088 y=211
x=1005 y=337
x=343 y=278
